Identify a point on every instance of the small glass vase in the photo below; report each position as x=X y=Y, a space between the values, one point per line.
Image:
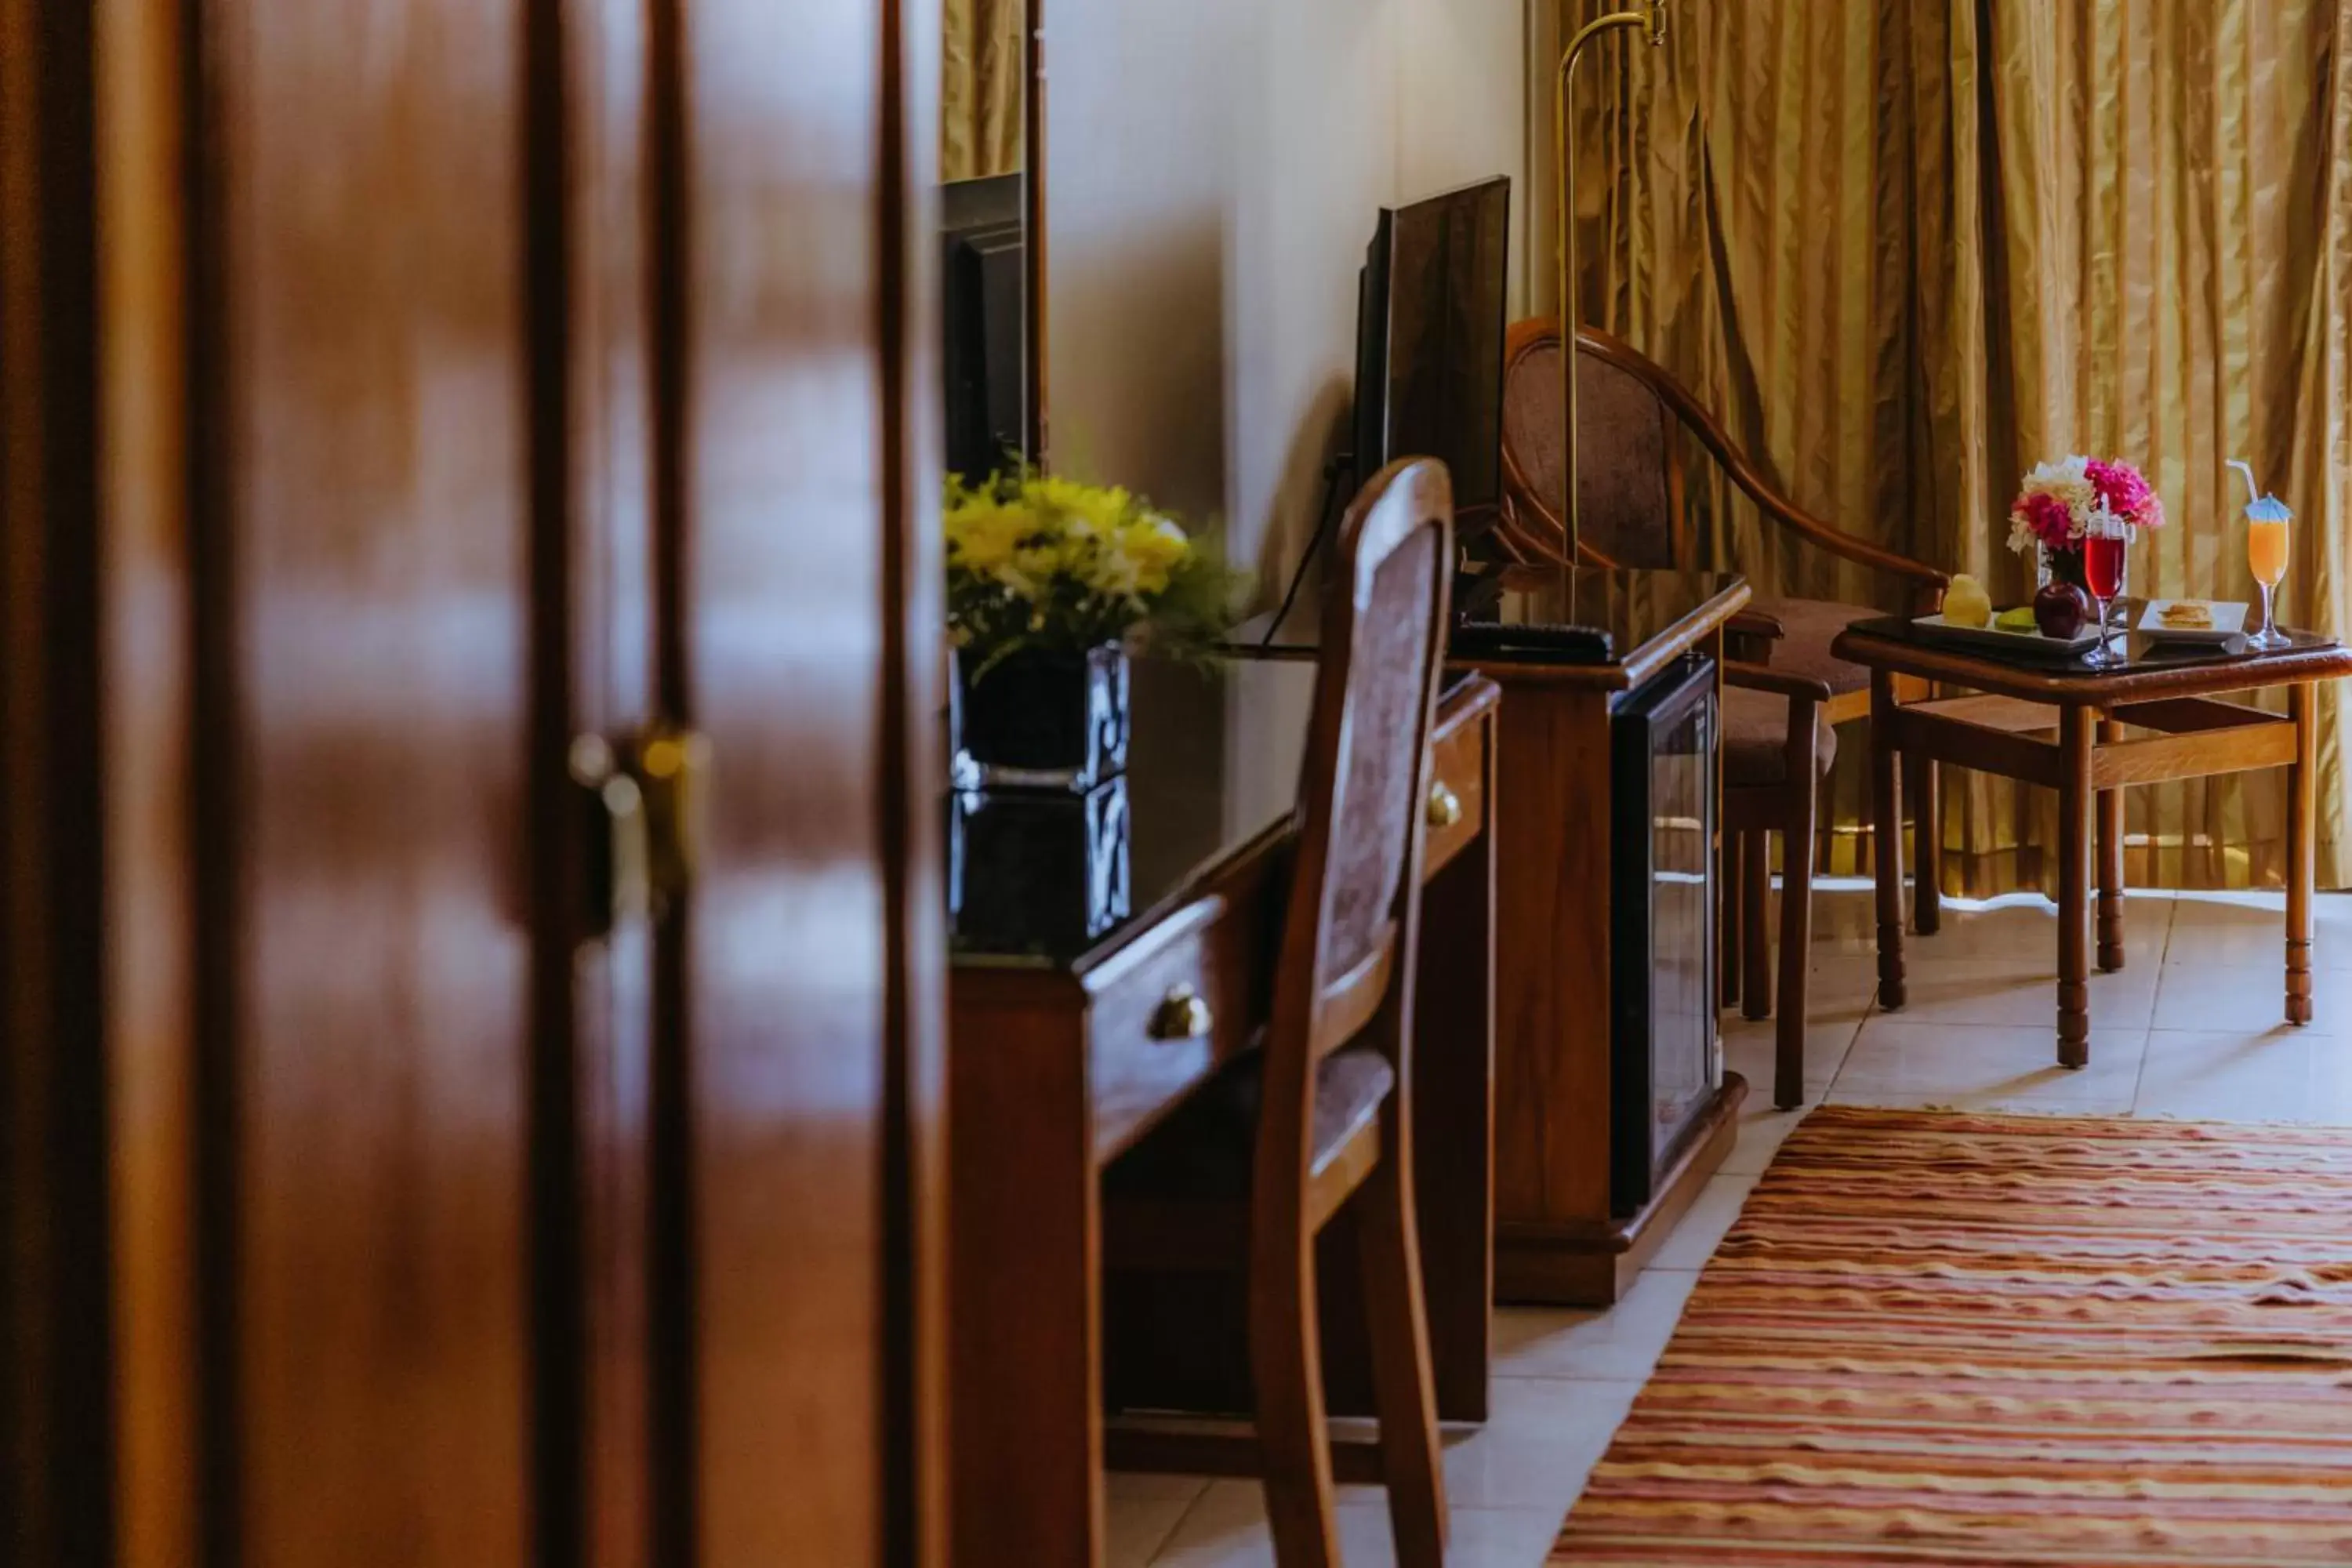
x=1040 y=719
x=2061 y=566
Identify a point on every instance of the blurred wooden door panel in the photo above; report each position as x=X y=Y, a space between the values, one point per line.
x=810 y=961
x=361 y=546
x=591 y=167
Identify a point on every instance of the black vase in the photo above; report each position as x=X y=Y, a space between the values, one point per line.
x=1036 y=872
x=1041 y=721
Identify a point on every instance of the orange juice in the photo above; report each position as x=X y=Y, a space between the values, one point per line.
x=2267 y=550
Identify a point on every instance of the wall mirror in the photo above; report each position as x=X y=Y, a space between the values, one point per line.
x=992 y=238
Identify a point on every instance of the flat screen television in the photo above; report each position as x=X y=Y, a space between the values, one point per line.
x=984 y=276
x=1430 y=308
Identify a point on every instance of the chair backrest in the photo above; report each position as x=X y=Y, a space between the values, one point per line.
x=1629 y=465
x=1355 y=897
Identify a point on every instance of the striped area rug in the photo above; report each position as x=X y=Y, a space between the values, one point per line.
x=1948 y=1339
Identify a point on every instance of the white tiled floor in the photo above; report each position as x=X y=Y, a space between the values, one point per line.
x=2189 y=1027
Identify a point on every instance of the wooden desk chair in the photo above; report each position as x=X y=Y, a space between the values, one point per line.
x=1315 y=1130
x=1785 y=687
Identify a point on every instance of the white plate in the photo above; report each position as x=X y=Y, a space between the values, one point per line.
x=2228 y=621
x=1990 y=636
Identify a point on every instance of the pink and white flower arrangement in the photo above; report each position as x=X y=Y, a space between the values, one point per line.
x=2056 y=504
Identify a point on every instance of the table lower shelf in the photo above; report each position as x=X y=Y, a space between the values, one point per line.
x=2174 y=738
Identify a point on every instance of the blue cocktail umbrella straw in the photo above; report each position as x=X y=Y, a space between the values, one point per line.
x=2261 y=508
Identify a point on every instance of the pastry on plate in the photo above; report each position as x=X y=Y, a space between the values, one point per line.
x=2188 y=615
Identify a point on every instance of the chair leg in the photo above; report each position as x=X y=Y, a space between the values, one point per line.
x=1728 y=861
x=1396 y=1313
x=1755 y=936
x=1796 y=951
x=1293 y=1438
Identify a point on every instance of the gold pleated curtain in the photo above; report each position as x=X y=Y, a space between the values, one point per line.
x=1908 y=248
x=981 y=71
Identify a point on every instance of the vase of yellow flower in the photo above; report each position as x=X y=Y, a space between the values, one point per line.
x=1050 y=584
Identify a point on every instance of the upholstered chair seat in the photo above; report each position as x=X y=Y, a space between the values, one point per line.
x=1755 y=739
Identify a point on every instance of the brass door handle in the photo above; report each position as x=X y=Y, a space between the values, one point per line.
x=672 y=767
x=1444 y=807
x=619 y=882
x=644 y=801
x=1181 y=1016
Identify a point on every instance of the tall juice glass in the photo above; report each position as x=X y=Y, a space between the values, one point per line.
x=2106 y=557
x=2267 y=524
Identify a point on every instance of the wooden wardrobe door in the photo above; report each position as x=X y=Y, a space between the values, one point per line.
x=806 y=648
x=397 y=391
x=365 y=573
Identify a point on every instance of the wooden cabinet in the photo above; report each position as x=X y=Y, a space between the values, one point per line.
x=1562 y=1235
x=390 y=395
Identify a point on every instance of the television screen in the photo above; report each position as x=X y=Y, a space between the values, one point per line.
x=1430 y=321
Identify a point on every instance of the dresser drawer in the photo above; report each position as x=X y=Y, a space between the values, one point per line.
x=1456 y=806
x=1161 y=1019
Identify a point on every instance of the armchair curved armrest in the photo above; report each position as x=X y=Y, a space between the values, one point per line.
x=1752 y=481
x=1748 y=636
x=1802 y=688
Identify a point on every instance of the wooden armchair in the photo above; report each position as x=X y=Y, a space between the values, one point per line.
x=1785 y=689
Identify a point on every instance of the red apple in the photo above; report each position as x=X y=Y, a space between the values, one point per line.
x=2059 y=610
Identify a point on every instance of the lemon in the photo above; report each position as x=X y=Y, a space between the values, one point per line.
x=1966 y=603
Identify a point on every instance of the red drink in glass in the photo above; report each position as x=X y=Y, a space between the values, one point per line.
x=2103 y=564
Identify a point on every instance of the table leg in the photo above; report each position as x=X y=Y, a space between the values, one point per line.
x=1025 y=1325
x=1454 y=1124
x=2301 y=702
x=2074 y=803
x=2110 y=863
x=1928 y=840
x=1887 y=836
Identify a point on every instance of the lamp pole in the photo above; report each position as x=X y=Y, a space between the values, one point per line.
x=1651 y=17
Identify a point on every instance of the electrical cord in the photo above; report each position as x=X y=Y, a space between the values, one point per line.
x=1344 y=462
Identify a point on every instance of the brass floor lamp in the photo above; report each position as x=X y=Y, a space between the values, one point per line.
x=1651 y=17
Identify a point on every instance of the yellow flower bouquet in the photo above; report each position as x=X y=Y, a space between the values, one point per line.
x=1040 y=564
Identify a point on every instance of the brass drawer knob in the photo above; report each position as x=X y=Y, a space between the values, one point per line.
x=1181 y=1016
x=1445 y=805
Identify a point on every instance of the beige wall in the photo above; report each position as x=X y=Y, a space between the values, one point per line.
x=1213 y=171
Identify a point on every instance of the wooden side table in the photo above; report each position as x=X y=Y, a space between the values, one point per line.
x=2088 y=735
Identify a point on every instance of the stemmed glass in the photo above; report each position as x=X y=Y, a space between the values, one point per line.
x=2106 y=569
x=2266 y=552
